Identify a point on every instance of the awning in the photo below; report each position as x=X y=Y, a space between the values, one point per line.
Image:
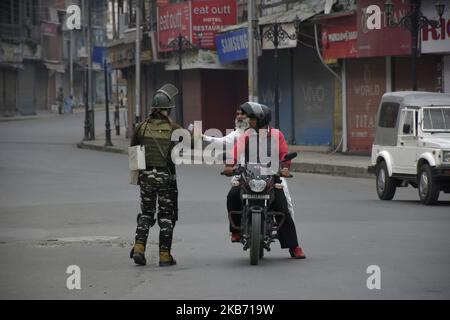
x=58 y=67
x=303 y=10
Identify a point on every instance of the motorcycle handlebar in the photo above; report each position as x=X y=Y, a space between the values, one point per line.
x=236 y=172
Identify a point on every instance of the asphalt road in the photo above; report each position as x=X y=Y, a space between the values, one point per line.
x=62 y=206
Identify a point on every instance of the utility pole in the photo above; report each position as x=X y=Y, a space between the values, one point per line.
x=138 y=61
x=252 y=52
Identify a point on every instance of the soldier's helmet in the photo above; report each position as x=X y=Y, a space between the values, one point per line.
x=164 y=97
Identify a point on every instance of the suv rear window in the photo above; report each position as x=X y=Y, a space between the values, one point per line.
x=388 y=115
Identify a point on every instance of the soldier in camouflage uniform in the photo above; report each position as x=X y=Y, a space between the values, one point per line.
x=158 y=181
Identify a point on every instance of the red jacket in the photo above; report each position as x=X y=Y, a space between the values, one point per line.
x=239 y=147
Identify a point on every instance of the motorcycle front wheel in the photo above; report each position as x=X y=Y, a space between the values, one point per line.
x=255 y=239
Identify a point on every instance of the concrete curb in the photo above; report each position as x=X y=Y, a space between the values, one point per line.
x=25 y=118
x=82 y=145
x=331 y=169
x=303 y=167
x=46 y=115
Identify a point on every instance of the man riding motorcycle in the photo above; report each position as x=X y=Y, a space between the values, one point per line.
x=259 y=118
x=241 y=125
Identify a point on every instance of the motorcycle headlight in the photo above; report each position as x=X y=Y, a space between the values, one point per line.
x=257 y=185
x=446 y=156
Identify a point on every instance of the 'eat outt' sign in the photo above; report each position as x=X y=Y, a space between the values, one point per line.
x=206 y=17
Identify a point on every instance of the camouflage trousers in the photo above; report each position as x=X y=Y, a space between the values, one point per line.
x=157 y=187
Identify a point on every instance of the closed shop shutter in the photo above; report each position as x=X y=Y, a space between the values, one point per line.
x=41 y=87
x=222 y=92
x=428 y=73
x=366 y=84
x=267 y=87
x=446 y=74
x=26 y=90
x=314 y=100
x=192 y=97
x=8 y=79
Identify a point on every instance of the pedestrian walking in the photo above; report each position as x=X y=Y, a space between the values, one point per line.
x=60 y=100
x=68 y=104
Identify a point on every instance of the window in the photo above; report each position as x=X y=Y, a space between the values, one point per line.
x=408 y=123
x=388 y=115
x=436 y=119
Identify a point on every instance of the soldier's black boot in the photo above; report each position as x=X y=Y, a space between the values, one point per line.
x=138 y=254
x=166 y=259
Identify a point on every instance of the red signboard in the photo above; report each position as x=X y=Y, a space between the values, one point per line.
x=339 y=38
x=173 y=20
x=196 y=20
x=385 y=41
x=209 y=17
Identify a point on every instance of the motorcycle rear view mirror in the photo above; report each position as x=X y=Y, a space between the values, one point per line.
x=290 y=156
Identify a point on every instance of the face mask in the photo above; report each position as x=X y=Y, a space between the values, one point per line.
x=241 y=124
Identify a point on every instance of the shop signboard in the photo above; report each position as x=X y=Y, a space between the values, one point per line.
x=173 y=20
x=385 y=41
x=209 y=17
x=233 y=45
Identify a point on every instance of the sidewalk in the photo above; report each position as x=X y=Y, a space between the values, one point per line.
x=307 y=161
x=41 y=114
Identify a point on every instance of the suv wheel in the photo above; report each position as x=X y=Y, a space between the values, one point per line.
x=428 y=186
x=385 y=185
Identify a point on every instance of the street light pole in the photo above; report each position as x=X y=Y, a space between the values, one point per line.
x=108 y=142
x=71 y=63
x=90 y=84
x=180 y=78
x=179 y=44
x=138 y=62
x=414 y=45
x=276 y=34
x=252 y=52
x=86 y=115
x=414 y=22
x=86 y=39
x=276 y=29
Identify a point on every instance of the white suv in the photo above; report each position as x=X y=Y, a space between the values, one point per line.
x=412 y=144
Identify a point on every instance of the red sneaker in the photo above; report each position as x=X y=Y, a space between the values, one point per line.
x=235 y=237
x=297 y=253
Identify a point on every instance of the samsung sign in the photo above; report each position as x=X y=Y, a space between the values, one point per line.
x=232 y=46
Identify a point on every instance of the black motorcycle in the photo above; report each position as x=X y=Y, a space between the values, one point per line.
x=258 y=227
